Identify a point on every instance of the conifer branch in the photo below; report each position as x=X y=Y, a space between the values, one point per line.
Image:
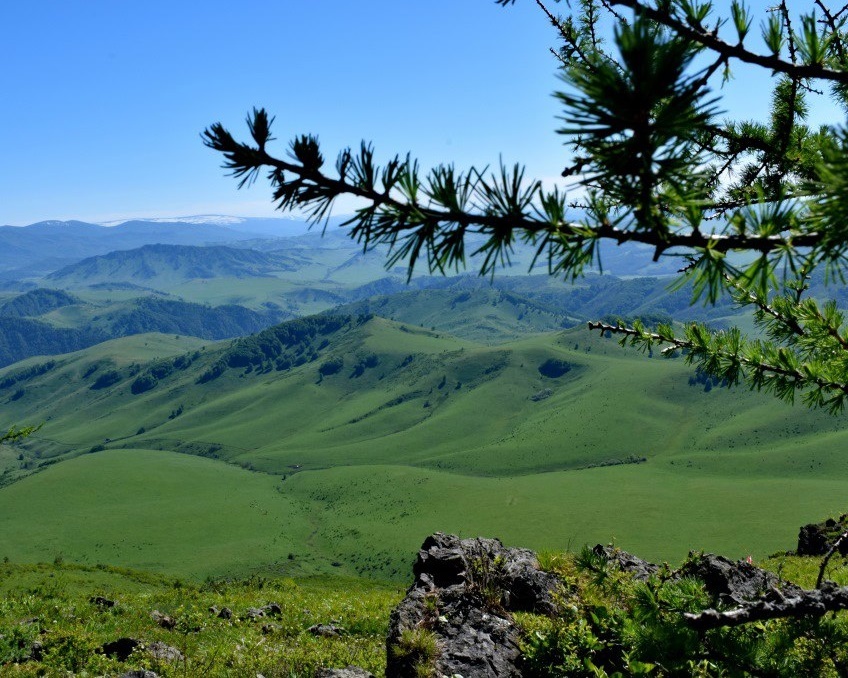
x=784 y=377
x=711 y=41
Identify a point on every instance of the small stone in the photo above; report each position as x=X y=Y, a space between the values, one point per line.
x=254 y=613
x=121 y=648
x=347 y=672
x=162 y=652
x=273 y=610
x=101 y=601
x=36 y=651
x=225 y=613
x=326 y=630
x=165 y=621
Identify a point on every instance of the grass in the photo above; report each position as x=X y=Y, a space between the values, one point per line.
x=55 y=608
x=157 y=511
x=194 y=517
x=51 y=604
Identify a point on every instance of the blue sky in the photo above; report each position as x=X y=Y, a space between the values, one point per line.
x=104 y=102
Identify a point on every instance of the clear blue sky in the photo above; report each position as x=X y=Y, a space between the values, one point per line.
x=103 y=102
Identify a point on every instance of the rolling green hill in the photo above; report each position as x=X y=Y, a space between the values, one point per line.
x=61 y=323
x=478 y=313
x=37 y=302
x=374 y=432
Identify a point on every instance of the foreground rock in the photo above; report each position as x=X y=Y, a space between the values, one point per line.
x=455 y=618
x=729 y=582
x=733 y=582
x=816 y=538
x=639 y=569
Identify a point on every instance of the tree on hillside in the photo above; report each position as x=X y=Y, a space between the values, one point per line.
x=653 y=160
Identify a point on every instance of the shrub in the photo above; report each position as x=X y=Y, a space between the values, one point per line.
x=106 y=380
x=144 y=383
x=417 y=649
x=331 y=366
x=161 y=371
x=554 y=367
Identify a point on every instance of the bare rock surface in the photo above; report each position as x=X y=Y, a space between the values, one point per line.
x=122 y=648
x=164 y=620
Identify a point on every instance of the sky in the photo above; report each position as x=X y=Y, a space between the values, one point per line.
x=103 y=102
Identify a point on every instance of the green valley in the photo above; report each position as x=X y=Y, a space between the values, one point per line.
x=332 y=444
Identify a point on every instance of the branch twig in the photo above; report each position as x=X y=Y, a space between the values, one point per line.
x=833 y=549
x=806 y=604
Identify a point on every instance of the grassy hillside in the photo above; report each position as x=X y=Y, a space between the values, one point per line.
x=368 y=434
x=482 y=314
x=54 y=605
x=48 y=322
x=158 y=511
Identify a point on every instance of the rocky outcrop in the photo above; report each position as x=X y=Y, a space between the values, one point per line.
x=455 y=618
x=732 y=582
x=639 y=569
x=164 y=620
x=728 y=582
x=816 y=538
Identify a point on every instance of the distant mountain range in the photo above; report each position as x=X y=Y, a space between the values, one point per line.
x=44 y=247
x=31 y=252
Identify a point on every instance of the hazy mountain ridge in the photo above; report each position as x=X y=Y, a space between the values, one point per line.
x=46 y=246
x=169 y=264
